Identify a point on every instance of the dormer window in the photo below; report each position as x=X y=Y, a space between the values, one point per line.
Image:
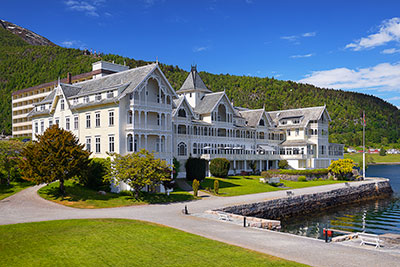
x=42 y=107
x=262 y=122
x=98 y=97
x=296 y=121
x=182 y=113
x=283 y=122
x=86 y=99
x=110 y=94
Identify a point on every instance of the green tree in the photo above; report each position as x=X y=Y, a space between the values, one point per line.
x=139 y=169
x=9 y=155
x=283 y=164
x=219 y=167
x=342 y=168
x=253 y=166
x=382 y=152
x=176 y=167
x=56 y=155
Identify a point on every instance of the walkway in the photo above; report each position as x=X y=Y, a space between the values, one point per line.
x=27 y=206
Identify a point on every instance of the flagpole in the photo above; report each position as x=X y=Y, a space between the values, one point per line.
x=364 y=144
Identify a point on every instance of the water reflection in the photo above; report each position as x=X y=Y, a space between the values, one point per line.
x=377 y=217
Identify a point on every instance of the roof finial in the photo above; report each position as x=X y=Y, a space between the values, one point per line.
x=264 y=106
x=58 y=80
x=194 y=68
x=156 y=59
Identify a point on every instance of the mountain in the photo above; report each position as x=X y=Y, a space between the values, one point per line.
x=23 y=65
x=28 y=36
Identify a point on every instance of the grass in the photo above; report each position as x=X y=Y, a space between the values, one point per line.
x=82 y=197
x=243 y=185
x=13 y=188
x=117 y=242
x=389 y=158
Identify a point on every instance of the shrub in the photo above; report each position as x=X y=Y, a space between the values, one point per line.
x=176 y=167
x=253 y=166
x=382 y=152
x=342 y=169
x=195 y=169
x=301 y=179
x=94 y=176
x=321 y=179
x=266 y=174
x=283 y=164
x=219 y=167
x=216 y=186
x=195 y=185
x=315 y=172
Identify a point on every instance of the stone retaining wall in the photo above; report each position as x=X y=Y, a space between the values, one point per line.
x=278 y=209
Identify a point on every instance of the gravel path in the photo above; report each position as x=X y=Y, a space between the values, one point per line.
x=27 y=206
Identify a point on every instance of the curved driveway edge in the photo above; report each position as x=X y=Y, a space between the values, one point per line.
x=27 y=206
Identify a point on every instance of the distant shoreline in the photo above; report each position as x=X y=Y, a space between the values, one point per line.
x=384 y=163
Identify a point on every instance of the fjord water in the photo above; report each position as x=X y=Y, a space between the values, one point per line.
x=376 y=217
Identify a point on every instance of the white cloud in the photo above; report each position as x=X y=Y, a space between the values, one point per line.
x=302 y=56
x=382 y=77
x=75 y=44
x=390 y=51
x=309 y=34
x=389 y=30
x=394 y=98
x=89 y=7
x=200 y=48
x=290 y=38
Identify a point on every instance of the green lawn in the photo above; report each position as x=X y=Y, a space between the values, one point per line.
x=82 y=197
x=243 y=185
x=116 y=242
x=14 y=187
x=389 y=158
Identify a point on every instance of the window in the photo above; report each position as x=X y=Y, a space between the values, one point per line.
x=182 y=149
x=42 y=107
x=194 y=148
x=97 y=141
x=262 y=122
x=283 y=122
x=87 y=120
x=76 y=122
x=75 y=101
x=297 y=132
x=98 y=97
x=88 y=143
x=50 y=123
x=158 y=119
x=67 y=123
x=288 y=132
x=296 y=121
x=129 y=143
x=129 y=117
x=86 y=99
x=42 y=126
x=111 y=143
x=57 y=121
x=182 y=113
x=111 y=118
x=110 y=94
x=97 y=119
x=62 y=104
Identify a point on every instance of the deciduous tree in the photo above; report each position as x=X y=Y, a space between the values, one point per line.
x=9 y=154
x=56 y=155
x=139 y=169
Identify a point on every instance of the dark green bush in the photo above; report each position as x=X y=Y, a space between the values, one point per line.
x=216 y=186
x=315 y=172
x=219 y=167
x=176 y=167
x=283 y=164
x=94 y=176
x=301 y=179
x=195 y=169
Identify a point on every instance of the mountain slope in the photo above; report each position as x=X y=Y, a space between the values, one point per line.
x=28 y=36
x=23 y=65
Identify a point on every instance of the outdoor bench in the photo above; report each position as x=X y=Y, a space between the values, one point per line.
x=369 y=239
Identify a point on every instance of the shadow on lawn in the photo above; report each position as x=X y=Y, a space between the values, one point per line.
x=209 y=182
x=76 y=192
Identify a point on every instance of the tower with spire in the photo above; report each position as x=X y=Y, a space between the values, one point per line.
x=193 y=88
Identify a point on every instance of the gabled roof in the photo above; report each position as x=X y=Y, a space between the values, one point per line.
x=193 y=82
x=253 y=116
x=306 y=115
x=179 y=102
x=208 y=103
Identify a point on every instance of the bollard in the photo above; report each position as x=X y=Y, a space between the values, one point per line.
x=186 y=210
x=244 y=221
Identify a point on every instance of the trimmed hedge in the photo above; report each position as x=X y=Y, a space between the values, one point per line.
x=195 y=169
x=314 y=172
x=219 y=167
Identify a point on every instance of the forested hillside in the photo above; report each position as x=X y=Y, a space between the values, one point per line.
x=23 y=65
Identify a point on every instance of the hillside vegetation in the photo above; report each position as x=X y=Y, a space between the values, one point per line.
x=23 y=65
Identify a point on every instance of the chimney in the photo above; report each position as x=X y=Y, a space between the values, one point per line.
x=69 y=78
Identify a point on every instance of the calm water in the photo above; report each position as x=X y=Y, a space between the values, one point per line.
x=377 y=217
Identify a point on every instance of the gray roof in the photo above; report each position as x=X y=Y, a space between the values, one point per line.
x=305 y=115
x=94 y=103
x=49 y=98
x=208 y=103
x=70 y=90
x=193 y=82
x=253 y=116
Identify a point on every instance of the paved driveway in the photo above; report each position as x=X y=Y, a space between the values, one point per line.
x=27 y=206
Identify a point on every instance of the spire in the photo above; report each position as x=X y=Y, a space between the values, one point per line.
x=193 y=82
x=193 y=68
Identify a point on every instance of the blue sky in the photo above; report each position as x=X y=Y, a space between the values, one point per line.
x=350 y=45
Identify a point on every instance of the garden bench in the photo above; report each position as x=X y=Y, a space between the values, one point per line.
x=369 y=239
x=262 y=180
x=223 y=216
x=289 y=193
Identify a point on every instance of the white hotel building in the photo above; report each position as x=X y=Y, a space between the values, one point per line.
x=137 y=108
